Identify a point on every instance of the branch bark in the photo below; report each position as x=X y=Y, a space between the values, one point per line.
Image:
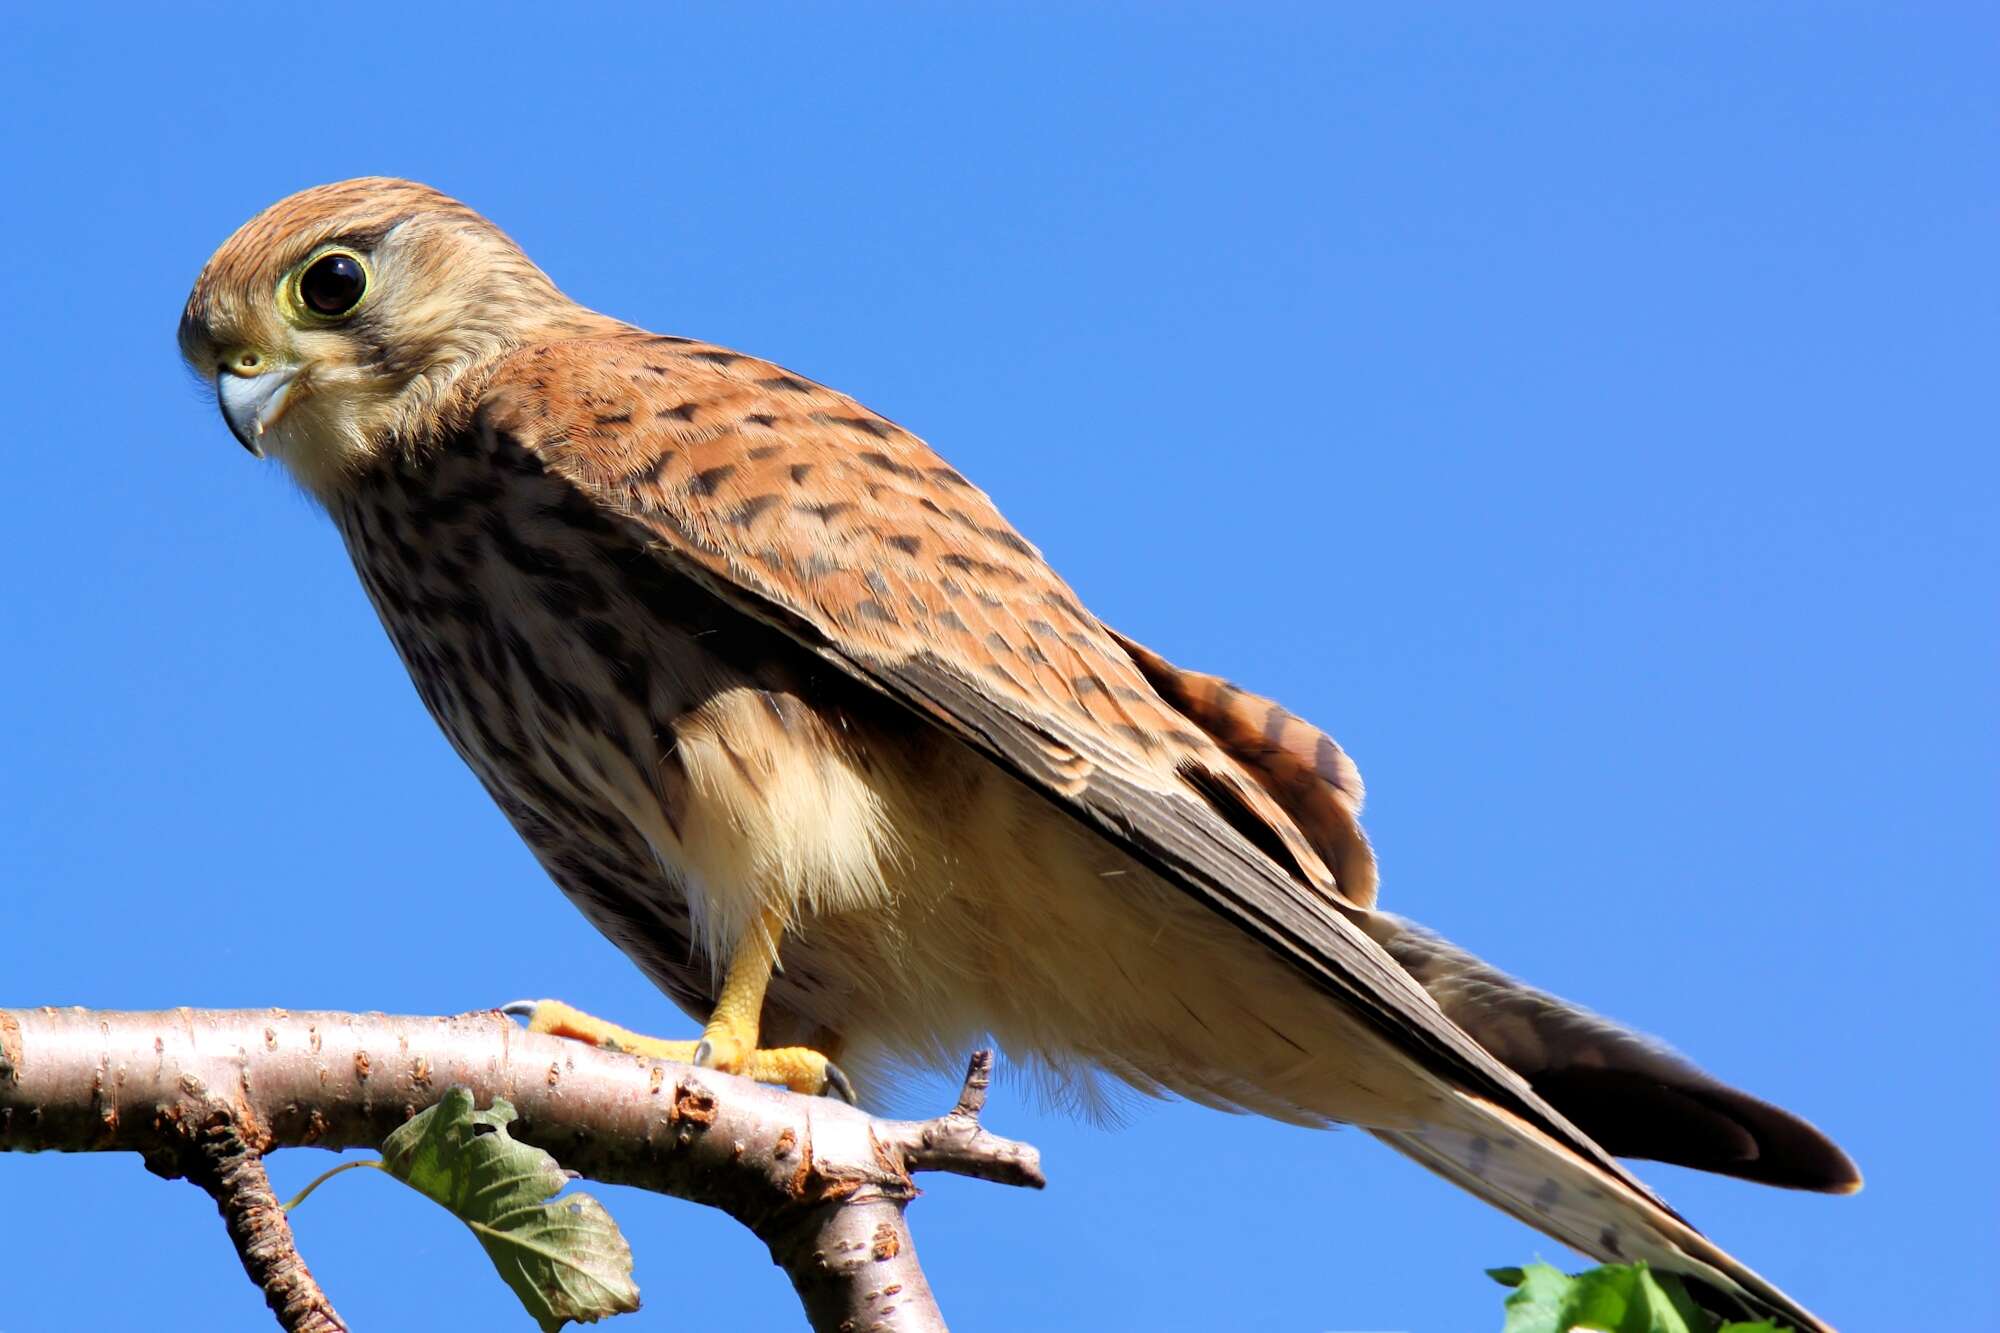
x=206 y=1093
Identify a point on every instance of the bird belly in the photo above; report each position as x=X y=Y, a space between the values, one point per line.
x=936 y=902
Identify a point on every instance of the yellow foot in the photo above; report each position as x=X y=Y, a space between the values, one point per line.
x=721 y=1047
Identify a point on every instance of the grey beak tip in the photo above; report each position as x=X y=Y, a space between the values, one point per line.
x=249 y=443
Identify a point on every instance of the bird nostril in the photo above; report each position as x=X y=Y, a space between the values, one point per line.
x=244 y=361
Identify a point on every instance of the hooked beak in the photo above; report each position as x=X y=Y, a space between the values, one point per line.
x=252 y=404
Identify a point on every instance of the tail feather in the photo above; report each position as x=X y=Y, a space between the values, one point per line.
x=1628 y=1092
x=1492 y=1153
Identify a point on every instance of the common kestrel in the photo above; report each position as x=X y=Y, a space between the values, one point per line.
x=748 y=664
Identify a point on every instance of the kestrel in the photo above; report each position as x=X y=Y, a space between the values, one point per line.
x=753 y=671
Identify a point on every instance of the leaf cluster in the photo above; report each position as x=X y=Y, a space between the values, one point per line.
x=1616 y=1298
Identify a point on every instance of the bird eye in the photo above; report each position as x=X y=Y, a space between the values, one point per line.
x=333 y=284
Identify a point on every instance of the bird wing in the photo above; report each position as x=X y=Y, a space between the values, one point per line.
x=795 y=504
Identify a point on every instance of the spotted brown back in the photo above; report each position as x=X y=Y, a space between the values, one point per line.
x=838 y=513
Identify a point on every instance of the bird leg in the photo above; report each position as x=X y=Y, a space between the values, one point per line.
x=729 y=1041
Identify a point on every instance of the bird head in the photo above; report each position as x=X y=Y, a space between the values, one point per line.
x=348 y=316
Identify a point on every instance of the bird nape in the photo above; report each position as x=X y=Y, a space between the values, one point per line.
x=757 y=675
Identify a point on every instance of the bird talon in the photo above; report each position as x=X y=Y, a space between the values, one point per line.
x=727 y=1051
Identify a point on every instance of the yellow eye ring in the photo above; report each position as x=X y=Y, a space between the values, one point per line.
x=331 y=285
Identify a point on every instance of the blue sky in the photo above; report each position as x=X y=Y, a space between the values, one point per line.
x=1579 y=414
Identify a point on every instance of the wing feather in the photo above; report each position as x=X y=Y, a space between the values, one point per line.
x=1304 y=769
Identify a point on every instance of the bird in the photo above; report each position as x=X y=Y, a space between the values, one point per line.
x=824 y=745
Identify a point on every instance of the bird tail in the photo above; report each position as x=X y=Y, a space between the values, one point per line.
x=1629 y=1095
x=1523 y=1171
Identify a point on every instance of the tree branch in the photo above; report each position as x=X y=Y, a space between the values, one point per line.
x=204 y=1094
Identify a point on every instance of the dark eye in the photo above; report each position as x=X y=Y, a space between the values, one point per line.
x=333 y=284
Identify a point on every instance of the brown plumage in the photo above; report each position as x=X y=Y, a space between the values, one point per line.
x=730 y=649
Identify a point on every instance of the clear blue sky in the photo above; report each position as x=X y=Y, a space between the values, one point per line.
x=1587 y=417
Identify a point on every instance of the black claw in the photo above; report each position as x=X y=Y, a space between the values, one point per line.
x=520 y=1008
x=837 y=1085
x=703 y=1053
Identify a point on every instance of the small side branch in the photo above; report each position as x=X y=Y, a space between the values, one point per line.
x=957 y=1143
x=206 y=1093
x=221 y=1163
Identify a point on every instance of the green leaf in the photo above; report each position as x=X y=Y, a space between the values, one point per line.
x=1616 y=1298
x=1538 y=1302
x=564 y=1258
